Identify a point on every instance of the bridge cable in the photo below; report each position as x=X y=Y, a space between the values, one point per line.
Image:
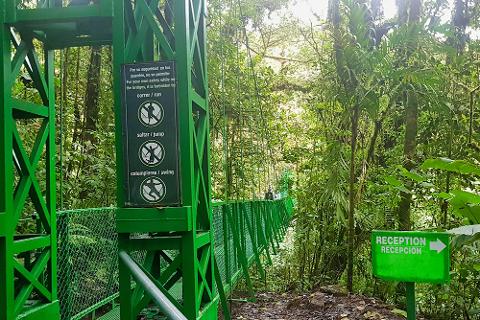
x=240 y=108
x=61 y=136
x=241 y=20
x=248 y=122
x=265 y=144
x=241 y=116
x=224 y=111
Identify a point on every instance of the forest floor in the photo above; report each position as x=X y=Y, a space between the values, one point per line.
x=325 y=304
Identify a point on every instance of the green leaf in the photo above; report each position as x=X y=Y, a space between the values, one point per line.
x=457 y=166
x=466 y=204
x=397 y=184
x=411 y=174
x=427 y=184
x=462 y=240
x=391 y=180
x=400 y=312
x=469 y=230
x=443 y=195
x=371 y=104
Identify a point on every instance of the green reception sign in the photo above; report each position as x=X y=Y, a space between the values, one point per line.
x=411 y=256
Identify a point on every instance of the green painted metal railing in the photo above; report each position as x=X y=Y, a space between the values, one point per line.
x=87 y=250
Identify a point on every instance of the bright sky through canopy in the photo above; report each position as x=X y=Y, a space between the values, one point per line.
x=307 y=9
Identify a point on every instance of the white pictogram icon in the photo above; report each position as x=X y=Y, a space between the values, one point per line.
x=151 y=153
x=150 y=113
x=153 y=189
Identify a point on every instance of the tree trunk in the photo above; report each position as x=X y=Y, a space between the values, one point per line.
x=92 y=95
x=460 y=22
x=230 y=149
x=409 y=150
x=76 y=109
x=351 y=210
x=411 y=117
x=350 y=85
x=64 y=93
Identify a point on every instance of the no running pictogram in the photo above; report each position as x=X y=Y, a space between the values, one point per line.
x=150 y=113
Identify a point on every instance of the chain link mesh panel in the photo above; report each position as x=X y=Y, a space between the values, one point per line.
x=87 y=259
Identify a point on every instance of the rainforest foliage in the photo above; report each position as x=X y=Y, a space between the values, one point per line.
x=367 y=122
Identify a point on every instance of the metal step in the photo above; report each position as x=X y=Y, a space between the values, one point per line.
x=114 y=314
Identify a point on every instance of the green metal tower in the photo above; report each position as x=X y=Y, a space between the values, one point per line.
x=166 y=248
x=178 y=239
x=28 y=280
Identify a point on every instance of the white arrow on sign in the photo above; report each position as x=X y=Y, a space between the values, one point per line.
x=437 y=245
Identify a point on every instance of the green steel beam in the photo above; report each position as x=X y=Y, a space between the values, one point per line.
x=7 y=295
x=160 y=220
x=59 y=14
x=27 y=262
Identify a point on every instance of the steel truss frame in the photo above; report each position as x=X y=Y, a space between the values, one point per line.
x=28 y=271
x=29 y=33
x=178 y=238
x=140 y=31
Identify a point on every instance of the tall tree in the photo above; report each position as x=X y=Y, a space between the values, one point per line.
x=409 y=13
x=348 y=78
x=458 y=40
x=92 y=94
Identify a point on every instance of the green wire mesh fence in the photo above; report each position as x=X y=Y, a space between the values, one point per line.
x=87 y=250
x=87 y=260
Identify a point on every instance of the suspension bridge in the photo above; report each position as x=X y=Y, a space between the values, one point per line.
x=165 y=245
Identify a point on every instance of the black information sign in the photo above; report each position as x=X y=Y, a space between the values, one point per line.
x=150 y=134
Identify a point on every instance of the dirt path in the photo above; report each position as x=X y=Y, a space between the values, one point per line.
x=324 y=304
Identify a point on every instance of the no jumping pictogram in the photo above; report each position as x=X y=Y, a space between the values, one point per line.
x=151 y=153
